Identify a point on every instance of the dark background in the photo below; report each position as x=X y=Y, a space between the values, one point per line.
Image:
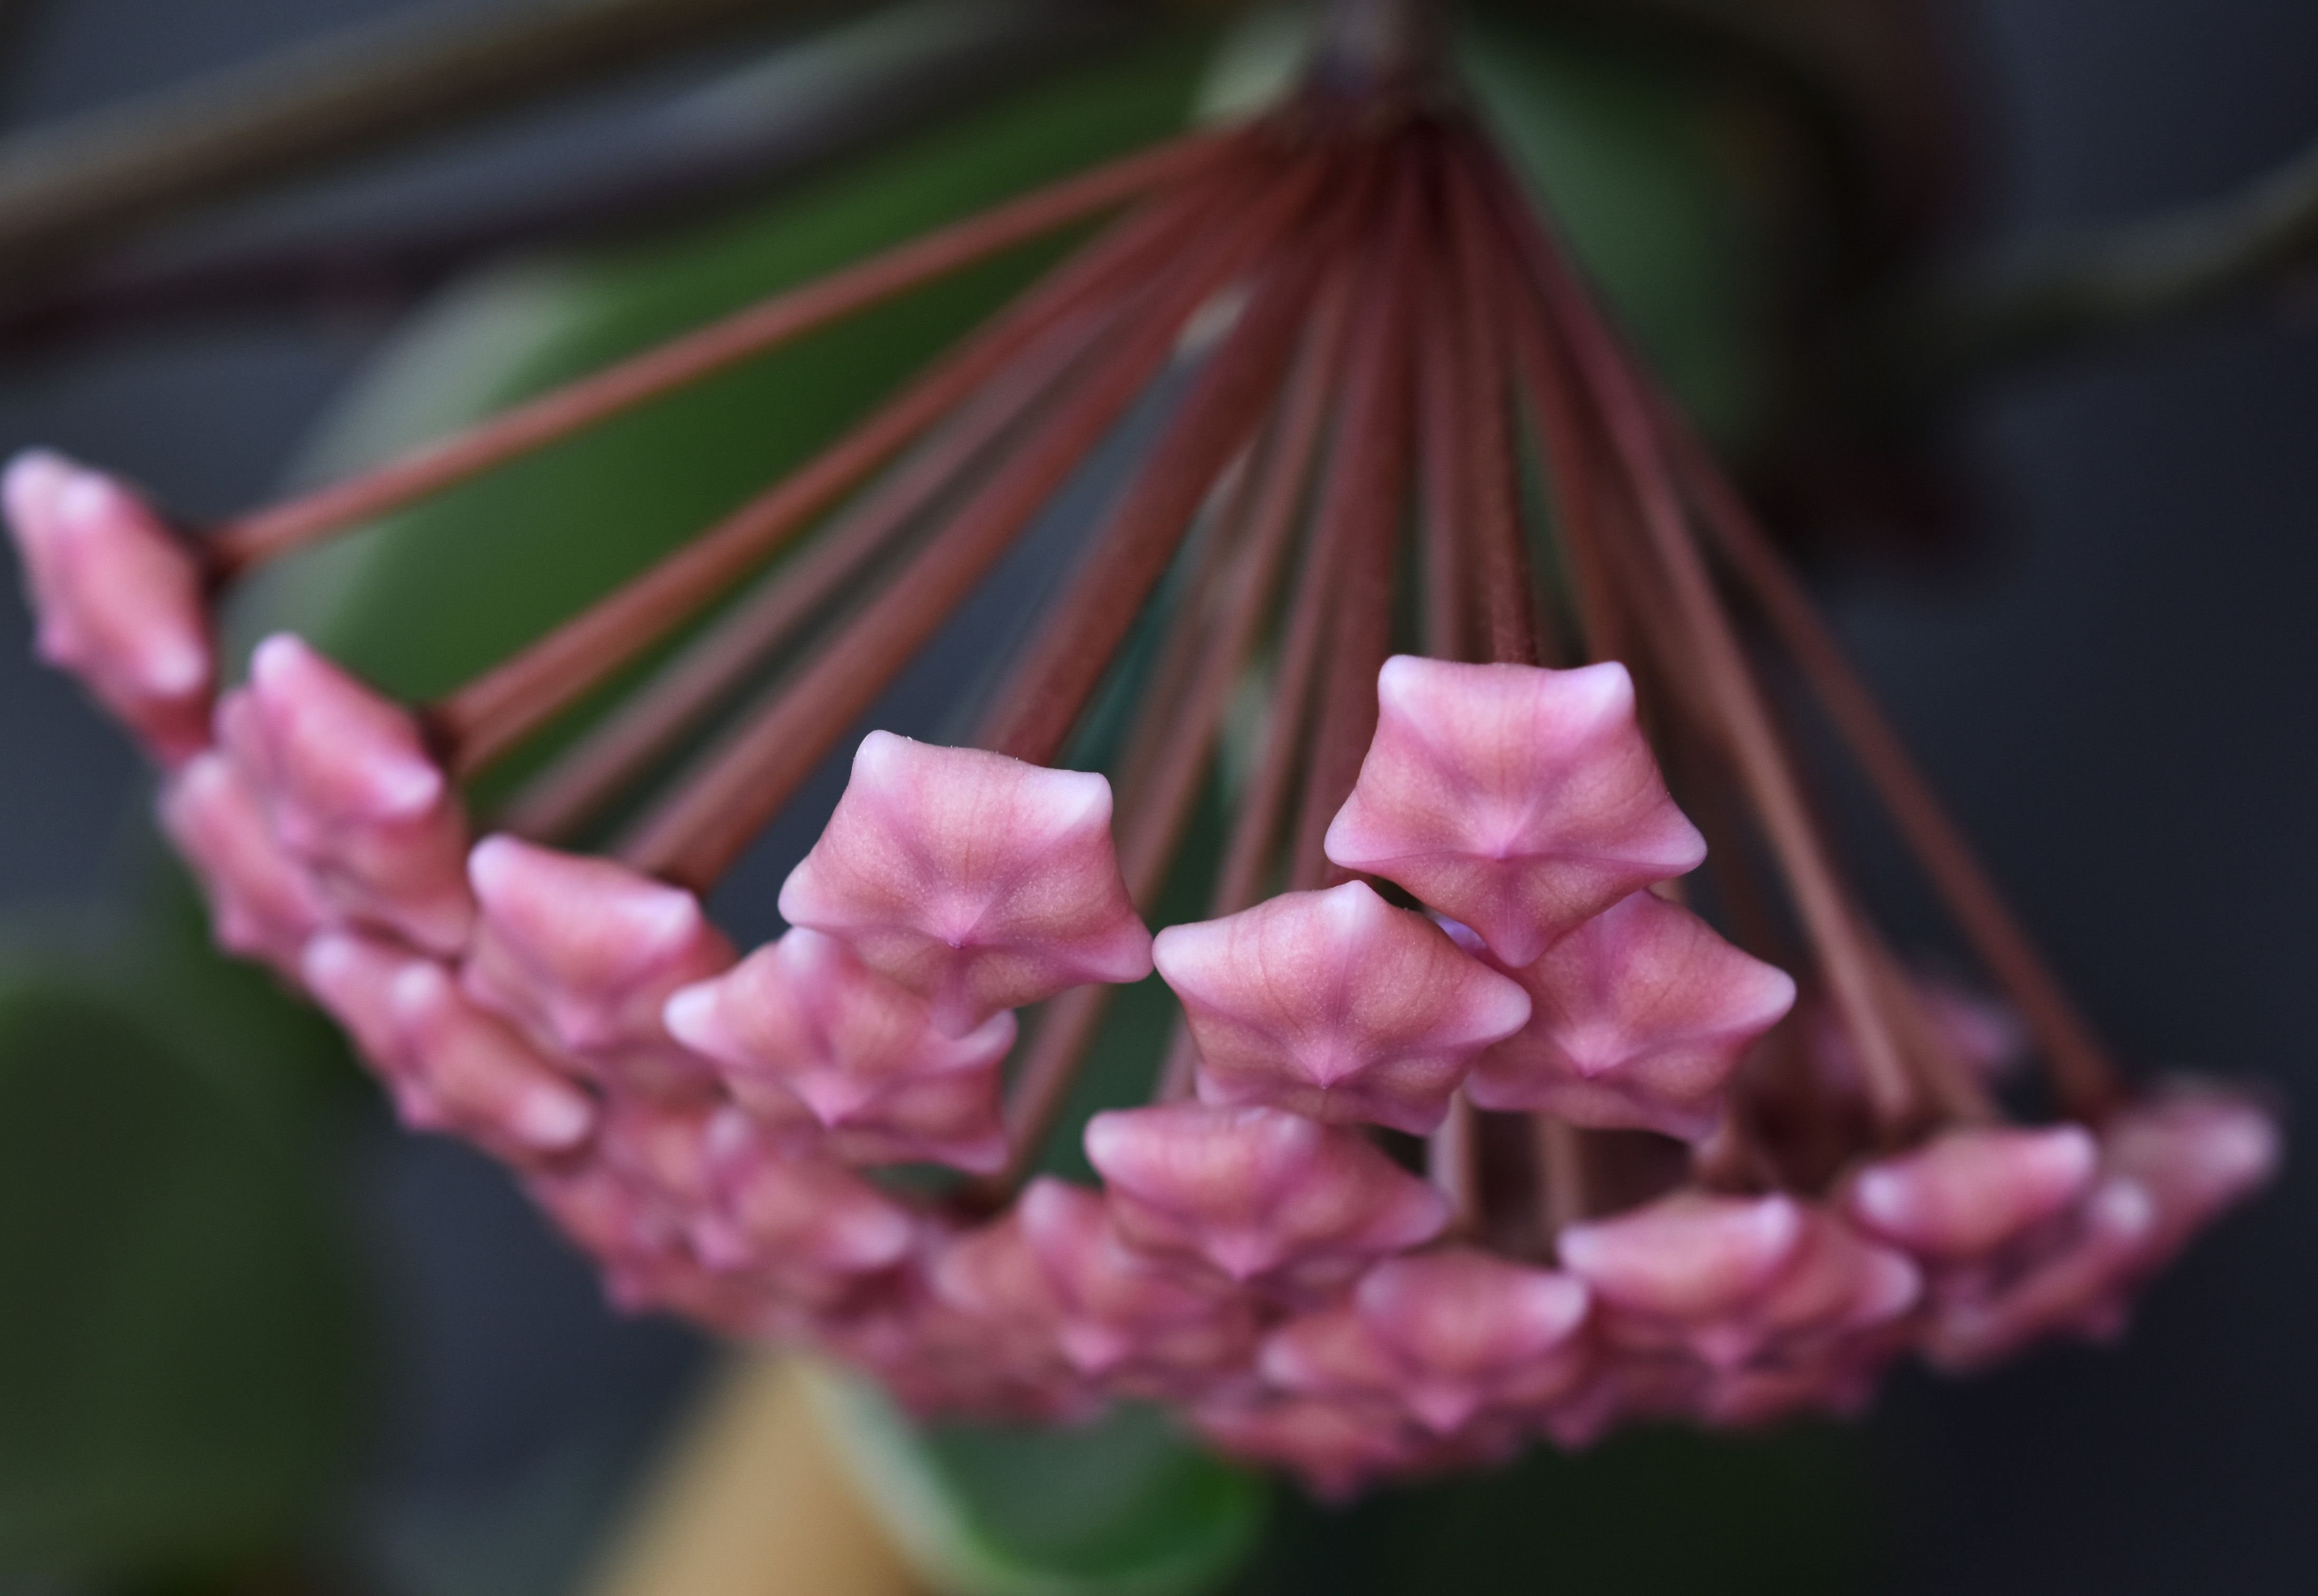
x=2115 y=694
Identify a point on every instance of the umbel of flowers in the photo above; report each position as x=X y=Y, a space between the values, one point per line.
x=1490 y=1115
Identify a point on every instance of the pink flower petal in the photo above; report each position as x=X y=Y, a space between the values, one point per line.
x=806 y=1016
x=352 y=793
x=1970 y=1191
x=1336 y=1005
x=263 y=904
x=1637 y=1019
x=978 y=881
x=119 y=597
x=582 y=954
x=1258 y=1192
x=1519 y=801
x=805 y=1216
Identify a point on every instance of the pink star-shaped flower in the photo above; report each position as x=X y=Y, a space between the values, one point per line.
x=582 y=954
x=804 y=1015
x=808 y=1220
x=1121 y=1316
x=263 y=904
x=352 y=793
x=1336 y=1005
x=1970 y=1192
x=1637 y=1019
x=119 y=599
x=1259 y=1193
x=452 y=1066
x=978 y=881
x=1444 y=1335
x=1731 y=1279
x=1519 y=801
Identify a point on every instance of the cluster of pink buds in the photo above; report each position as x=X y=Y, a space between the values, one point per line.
x=1490 y=1114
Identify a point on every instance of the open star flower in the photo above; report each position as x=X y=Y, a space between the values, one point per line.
x=119 y=598
x=1520 y=801
x=805 y=1017
x=1336 y=1005
x=583 y=954
x=263 y=904
x=1637 y=1019
x=1258 y=1193
x=353 y=795
x=978 y=881
x=1445 y=1336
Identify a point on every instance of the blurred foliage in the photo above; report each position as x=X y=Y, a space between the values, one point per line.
x=179 y=1356
x=1651 y=1513
x=1120 y=1506
x=185 y=1382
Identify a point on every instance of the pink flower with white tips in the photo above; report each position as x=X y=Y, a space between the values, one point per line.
x=1731 y=1280
x=1336 y=1005
x=1445 y=1336
x=2169 y=1165
x=978 y=881
x=1124 y=1317
x=1259 y=1193
x=353 y=795
x=1519 y=801
x=806 y=1017
x=582 y=954
x=453 y=1066
x=119 y=598
x=2197 y=1148
x=807 y=1221
x=1637 y=1019
x=1963 y=1196
x=263 y=904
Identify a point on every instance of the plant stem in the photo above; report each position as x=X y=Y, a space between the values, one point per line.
x=1364 y=502
x=833 y=100
x=716 y=347
x=500 y=708
x=620 y=748
x=67 y=188
x=2088 y=1080
x=2081 y=293
x=1835 y=929
x=694 y=837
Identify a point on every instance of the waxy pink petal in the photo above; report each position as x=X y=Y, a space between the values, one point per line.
x=1124 y=1316
x=1970 y=1191
x=453 y=1067
x=582 y=954
x=1448 y=1335
x=352 y=793
x=1689 y=1256
x=118 y=598
x=980 y=882
x=1519 y=801
x=2198 y=1150
x=1733 y=1280
x=1637 y=1019
x=263 y=904
x=1258 y=1191
x=1336 y=1005
x=807 y=1219
x=804 y=1015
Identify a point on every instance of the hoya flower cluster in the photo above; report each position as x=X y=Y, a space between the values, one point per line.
x=1480 y=1126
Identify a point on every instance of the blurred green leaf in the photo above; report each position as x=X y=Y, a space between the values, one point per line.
x=179 y=1354
x=1123 y=1506
x=437 y=593
x=1654 y=1513
x=1620 y=148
